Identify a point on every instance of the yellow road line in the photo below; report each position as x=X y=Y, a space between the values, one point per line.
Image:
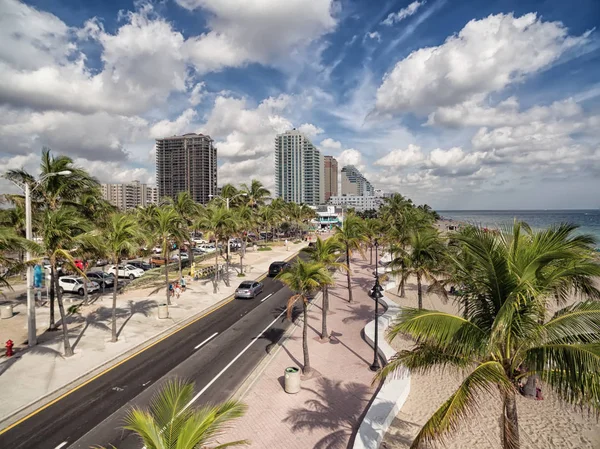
x=54 y=401
x=64 y=395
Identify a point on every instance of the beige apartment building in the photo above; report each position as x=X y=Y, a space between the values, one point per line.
x=129 y=195
x=354 y=183
x=331 y=177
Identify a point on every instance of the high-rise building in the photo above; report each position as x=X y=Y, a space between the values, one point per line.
x=331 y=177
x=299 y=169
x=186 y=163
x=354 y=183
x=129 y=195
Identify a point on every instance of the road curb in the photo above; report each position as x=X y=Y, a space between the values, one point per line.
x=255 y=374
x=42 y=401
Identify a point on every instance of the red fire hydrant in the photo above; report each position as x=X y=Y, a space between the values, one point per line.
x=9 y=348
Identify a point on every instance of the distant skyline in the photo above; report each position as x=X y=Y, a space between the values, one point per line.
x=463 y=105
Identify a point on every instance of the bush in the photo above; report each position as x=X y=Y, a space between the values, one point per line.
x=241 y=275
x=264 y=248
x=297 y=241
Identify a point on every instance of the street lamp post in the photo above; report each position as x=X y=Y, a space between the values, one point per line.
x=26 y=188
x=376 y=295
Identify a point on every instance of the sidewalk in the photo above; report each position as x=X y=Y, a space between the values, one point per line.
x=42 y=371
x=326 y=412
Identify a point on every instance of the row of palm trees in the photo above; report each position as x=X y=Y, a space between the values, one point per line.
x=71 y=221
x=518 y=325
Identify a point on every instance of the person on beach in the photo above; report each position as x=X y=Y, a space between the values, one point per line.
x=171 y=291
x=177 y=290
x=182 y=284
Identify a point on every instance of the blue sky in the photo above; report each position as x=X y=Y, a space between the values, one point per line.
x=458 y=104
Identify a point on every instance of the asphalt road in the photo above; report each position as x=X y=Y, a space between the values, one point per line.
x=216 y=352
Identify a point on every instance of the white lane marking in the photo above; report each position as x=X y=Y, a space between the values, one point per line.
x=206 y=341
x=201 y=392
x=143 y=385
x=266 y=297
x=63 y=444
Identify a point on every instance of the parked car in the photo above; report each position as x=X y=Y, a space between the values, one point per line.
x=198 y=251
x=184 y=256
x=104 y=280
x=157 y=250
x=74 y=284
x=140 y=264
x=277 y=267
x=199 y=241
x=101 y=262
x=157 y=261
x=248 y=289
x=208 y=247
x=126 y=271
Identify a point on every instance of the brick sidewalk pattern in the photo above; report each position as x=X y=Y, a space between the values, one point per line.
x=326 y=413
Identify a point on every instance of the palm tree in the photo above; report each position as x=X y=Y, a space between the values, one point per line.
x=171 y=423
x=267 y=217
x=327 y=253
x=256 y=194
x=11 y=242
x=245 y=217
x=62 y=229
x=350 y=235
x=56 y=190
x=219 y=223
x=120 y=238
x=372 y=231
x=187 y=209
x=509 y=333
x=166 y=227
x=424 y=259
x=304 y=278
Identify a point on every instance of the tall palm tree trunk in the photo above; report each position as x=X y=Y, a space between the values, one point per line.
x=216 y=287
x=180 y=262
x=402 y=292
x=167 y=283
x=371 y=247
x=348 y=274
x=63 y=320
x=510 y=431
x=419 y=291
x=52 y=325
x=324 y=309
x=114 y=303
x=307 y=367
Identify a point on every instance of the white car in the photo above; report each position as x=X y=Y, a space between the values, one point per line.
x=74 y=284
x=184 y=256
x=208 y=247
x=126 y=271
x=199 y=241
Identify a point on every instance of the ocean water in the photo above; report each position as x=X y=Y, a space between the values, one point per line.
x=587 y=220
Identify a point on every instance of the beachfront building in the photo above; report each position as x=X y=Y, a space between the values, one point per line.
x=299 y=169
x=359 y=203
x=186 y=163
x=129 y=195
x=331 y=177
x=354 y=183
x=328 y=216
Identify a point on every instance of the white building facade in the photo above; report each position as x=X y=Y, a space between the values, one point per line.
x=130 y=195
x=359 y=203
x=299 y=169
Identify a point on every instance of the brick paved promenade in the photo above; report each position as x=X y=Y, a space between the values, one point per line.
x=326 y=412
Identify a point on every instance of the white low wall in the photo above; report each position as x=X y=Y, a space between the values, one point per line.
x=392 y=394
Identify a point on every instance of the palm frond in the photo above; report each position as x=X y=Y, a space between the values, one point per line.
x=487 y=379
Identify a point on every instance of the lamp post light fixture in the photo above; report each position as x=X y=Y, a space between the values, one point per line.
x=28 y=190
x=376 y=295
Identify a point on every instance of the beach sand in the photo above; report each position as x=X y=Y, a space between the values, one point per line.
x=543 y=424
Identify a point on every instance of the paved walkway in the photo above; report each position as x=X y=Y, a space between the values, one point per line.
x=326 y=413
x=43 y=372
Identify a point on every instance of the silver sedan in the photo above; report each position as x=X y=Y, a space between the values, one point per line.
x=248 y=289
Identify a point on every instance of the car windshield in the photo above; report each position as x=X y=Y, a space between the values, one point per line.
x=245 y=285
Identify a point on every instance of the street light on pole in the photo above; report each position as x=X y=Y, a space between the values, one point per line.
x=27 y=190
x=376 y=295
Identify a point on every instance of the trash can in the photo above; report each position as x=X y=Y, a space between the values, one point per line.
x=163 y=311
x=292 y=380
x=6 y=311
